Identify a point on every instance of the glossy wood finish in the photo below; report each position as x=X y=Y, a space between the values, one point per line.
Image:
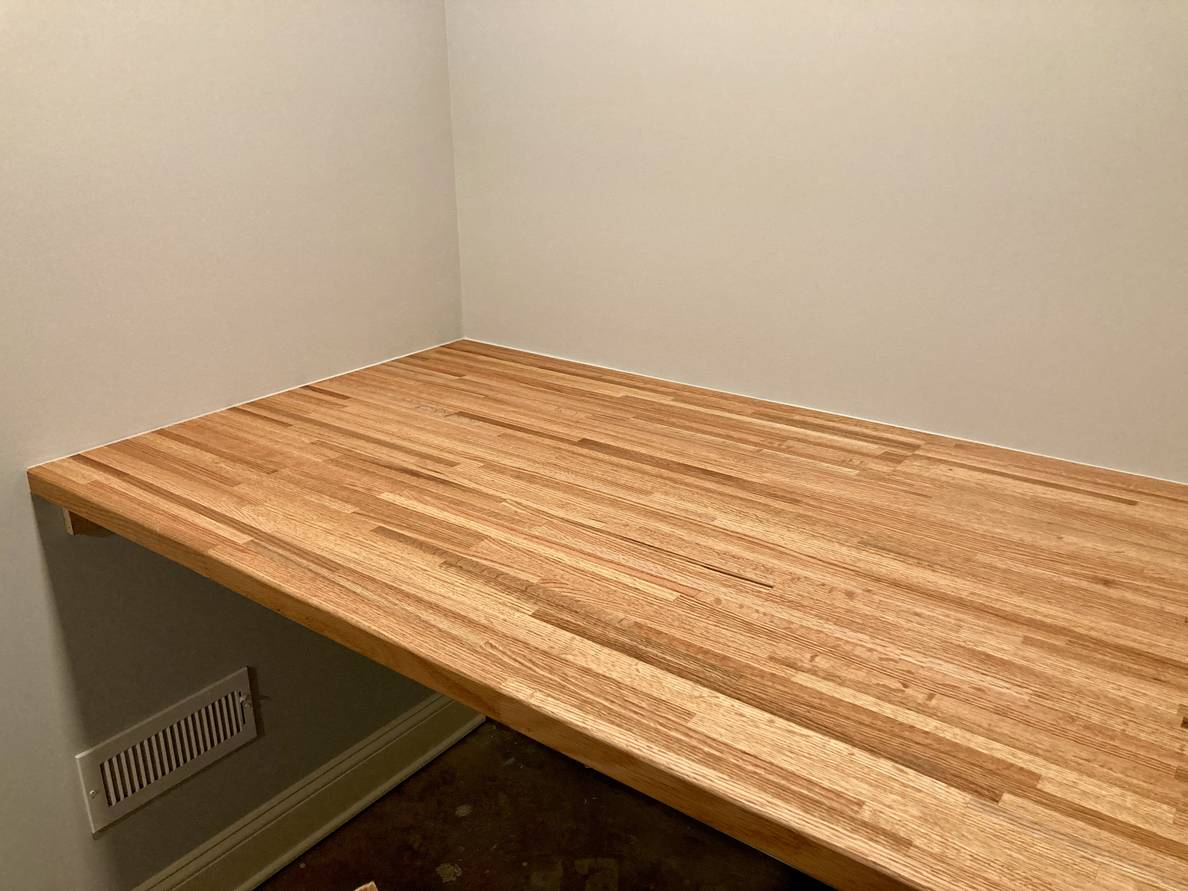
x=849 y=644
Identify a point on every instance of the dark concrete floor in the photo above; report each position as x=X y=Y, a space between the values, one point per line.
x=499 y=812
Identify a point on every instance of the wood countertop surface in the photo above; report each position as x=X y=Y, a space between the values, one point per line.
x=886 y=657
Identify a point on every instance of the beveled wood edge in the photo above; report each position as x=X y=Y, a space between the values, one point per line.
x=800 y=851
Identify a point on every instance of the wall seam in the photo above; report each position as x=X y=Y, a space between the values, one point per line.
x=445 y=19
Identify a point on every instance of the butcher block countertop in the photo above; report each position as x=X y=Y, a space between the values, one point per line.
x=886 y=657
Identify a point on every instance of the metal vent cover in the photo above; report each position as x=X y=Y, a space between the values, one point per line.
x=137 y=765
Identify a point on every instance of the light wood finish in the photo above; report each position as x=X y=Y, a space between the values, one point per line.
x=852 y=645
x=79 y=525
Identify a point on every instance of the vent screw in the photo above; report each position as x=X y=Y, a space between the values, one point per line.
x=92 y=793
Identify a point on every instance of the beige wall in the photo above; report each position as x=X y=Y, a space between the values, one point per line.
x=199 y=203
x=968 y=217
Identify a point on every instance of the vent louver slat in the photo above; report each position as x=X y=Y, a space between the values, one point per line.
x=139 y=764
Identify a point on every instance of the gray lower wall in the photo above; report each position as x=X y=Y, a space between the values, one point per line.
x=199 y=204
x=959 y=216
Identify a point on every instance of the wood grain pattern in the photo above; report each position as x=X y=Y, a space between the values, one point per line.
x=887 y=657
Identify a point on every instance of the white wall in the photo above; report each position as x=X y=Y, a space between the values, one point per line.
x=965 y=217
x=199 y=203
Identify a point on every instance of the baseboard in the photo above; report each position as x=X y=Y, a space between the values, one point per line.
x=250 y=850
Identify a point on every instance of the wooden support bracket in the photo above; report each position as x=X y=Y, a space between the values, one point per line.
x=78 y=525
